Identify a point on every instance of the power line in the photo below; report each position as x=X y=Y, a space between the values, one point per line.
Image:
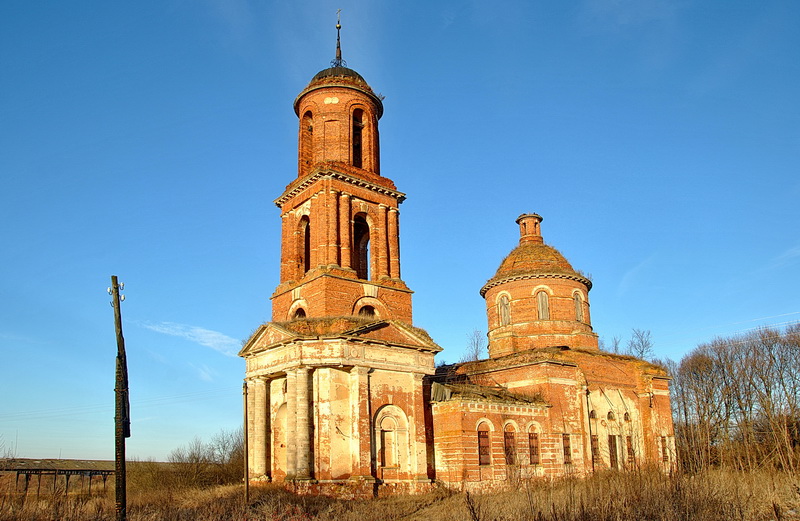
x=142 y=403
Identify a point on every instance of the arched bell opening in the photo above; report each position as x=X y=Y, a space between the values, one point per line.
x=361 y=253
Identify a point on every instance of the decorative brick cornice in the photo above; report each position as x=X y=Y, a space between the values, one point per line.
x=363 y=88
x=564 y=276
x=333 y=174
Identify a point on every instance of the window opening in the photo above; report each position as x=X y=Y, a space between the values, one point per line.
x=630 y=451
x=484 y=449
x=664 y=452
x=305 y=244
x=578 y=307
x=543 y=305
x=595 y=448
x=504 y=308
x=366 y=311
x=567 y=445
x=533 y=447
x=510 y=447
x=612 y=451
x=299 y=313
x=358 y=130
x=611 y=416
x=360 y=261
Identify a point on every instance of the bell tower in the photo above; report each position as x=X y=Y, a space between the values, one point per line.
x=340 y=250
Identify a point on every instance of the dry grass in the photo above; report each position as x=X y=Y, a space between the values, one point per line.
x=711 y=496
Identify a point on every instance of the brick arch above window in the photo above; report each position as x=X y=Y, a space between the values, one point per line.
x=364 y=302
x=484 y=424
x=533 y=427
x=296 y=305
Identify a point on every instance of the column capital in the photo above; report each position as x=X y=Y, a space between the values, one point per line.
x=360 y=370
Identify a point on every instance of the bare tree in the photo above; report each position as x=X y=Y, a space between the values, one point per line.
x=641 y=344
x=736 y=402
x=476 y=347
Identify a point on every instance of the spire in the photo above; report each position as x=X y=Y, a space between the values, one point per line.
x=338 y=61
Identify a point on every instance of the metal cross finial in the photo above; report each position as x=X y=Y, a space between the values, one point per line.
x=338 y=61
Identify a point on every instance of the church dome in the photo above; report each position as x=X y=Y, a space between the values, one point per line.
x=532 y=258
x=338 y=72
x=340 y=76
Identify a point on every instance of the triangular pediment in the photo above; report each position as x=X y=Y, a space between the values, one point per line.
x=396 y=333
x=265 y=336
x=388 y=332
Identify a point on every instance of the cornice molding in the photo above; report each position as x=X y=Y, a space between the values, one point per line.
x=333 y=174
x=564 y=276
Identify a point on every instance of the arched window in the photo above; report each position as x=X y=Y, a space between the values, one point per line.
x=543 y=305
x=388 y=443
x=627 y=416
x=306 y=137
x=578 y=307
x=504 y=310
x=611 y=415
x=391 y=439
x=358 y=130
x=592 y=414
x=360 y=261
x=484 y=445
x=305 y=245
x=367 y=312
x=510 y=444
x=299 y=313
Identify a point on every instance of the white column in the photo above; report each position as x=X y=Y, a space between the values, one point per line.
x=303 y=425
x=259 y=447
x=291 y=424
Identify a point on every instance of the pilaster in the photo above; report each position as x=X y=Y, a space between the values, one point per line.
x=381 y=244
x=394 y=244
x=345 y=225
x=361 y=424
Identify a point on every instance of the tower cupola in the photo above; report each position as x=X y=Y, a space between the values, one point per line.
x=536 y=298
x=339 y=116
x=340 y=253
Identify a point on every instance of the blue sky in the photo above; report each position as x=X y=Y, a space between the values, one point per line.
x=659 y=139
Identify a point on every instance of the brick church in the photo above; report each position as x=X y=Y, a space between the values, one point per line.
x=343 y=395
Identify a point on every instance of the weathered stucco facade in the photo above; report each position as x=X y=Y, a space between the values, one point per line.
x=343 y=396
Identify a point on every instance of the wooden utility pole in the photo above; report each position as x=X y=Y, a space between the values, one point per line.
x=122 y=408
x=246 y=451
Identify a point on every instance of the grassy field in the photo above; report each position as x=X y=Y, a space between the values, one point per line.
x=714 y=495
